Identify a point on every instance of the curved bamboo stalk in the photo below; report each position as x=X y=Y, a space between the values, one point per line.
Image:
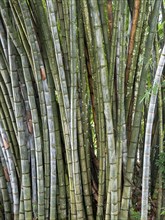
x=3 y=40
x=5 y=196
x=46 y=111
x=5 y=115
x=18 y=18
x=63 y=73
x=161 y=136
x=7 y=81
x=6 y=105
x=32 y=102
x=12 y=172
x=137 y=116
x=46 y=47
x=148 y=136
x=19 y=109
x=7 y=101
x=51 y=68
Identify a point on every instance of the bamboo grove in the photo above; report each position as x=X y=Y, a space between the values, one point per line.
x=82 y=109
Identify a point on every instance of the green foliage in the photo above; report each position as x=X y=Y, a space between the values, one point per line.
x=163 y=211
x=163 y=84
x=148 y=92
x=155 y=89
x=160 y=30
x=44 y=4
x=58 y=26
x=146 y=95
x=161 y=164
x=134 y=215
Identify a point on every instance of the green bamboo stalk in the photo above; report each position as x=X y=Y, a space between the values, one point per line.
x=62 y=187
x=4 y=161
x=112 y=189
x=73 y=112
x=19 y=109
x=65 y=6
x=5 y=196
x=113 y=57
x=90 y=55
x=42 y=23
x=159 y=203
x=53 y=146
x=64 y=122
x=1 y=206
x=104 y=21
x=148 y=135
x=29 y=134
x=64 y=40
x=6 y=99
x=35 y=126
x=45 y=101
x=138 y=114
x=32 y=103
x=102 y=148
x=60 y=168
x=5 y=143
x=113 y=49
x=101 y=154
x=98 y=136
x=62 y=211
x=84 y=91
x=58 y=53
x=3 y=118
x=21 y=207
x=84 y=173
x=161 y=136
x=12 y=172
x=163 y=18
x=3 y=40
x=121 y=143
x=6 y=182
x=134 y=44
x=5 y=115
x=63 y=98
x=6 y=78
x=18 y=18
x=82 y=123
